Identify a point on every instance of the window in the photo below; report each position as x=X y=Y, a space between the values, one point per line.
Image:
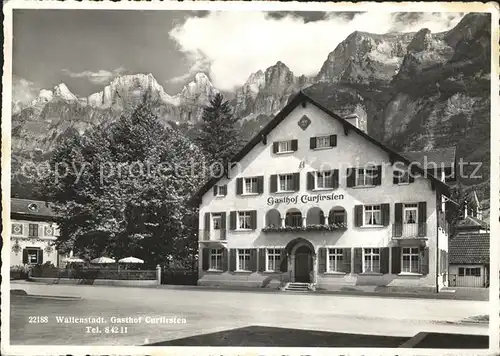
x=293 y=219
x=373 y=215
x=33 y=230
x=216 y=259
x=371 y=260
x=337 y=217
x=17 y=229
x=323 y=141
x=284 y=146
x=469 y=271
x=402 y=177
x=410 y=260
x=33 y=255
x=243 y=260
x=335 y=258
x=365 y=176
x=285 y=182
x=273 y=259
x=216 y=221
x=244 y=220
x=251 y=186
x=324 y=180
x=410 y=214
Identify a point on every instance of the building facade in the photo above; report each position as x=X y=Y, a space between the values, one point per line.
x=33 y=233
x=314 y=199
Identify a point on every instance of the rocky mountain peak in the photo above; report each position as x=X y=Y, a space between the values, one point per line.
x=61 y=91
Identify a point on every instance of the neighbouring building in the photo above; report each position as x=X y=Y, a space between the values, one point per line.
x=33 y=233
x=315 y=200
x=469 y=260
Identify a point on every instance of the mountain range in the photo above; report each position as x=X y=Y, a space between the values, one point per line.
x=412 y=91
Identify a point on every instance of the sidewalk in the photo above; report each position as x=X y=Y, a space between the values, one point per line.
x=449 y=293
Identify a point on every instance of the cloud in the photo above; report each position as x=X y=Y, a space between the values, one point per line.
x=236 y=44
x=100 y=77
x=199 y=63
x=23 y=92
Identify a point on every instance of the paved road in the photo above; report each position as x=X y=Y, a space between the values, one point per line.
x=210 y=311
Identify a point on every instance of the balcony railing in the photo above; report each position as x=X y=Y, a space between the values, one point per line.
x=212 y=235
x=409 y=231
x=319 y=227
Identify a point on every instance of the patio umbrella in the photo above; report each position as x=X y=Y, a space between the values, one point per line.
x=102 y=260
x=131 y=260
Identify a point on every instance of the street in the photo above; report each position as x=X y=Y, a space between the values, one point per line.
x=206 y=311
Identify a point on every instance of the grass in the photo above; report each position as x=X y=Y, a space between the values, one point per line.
x=281 y=337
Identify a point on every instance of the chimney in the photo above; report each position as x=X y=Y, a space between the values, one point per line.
x=353 y=119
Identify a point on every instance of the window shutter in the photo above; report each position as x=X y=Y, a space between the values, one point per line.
x=205 y=258
x=358 y=215
x=395 y=176
x=424 y=265
x=239 y=186
x=253 y=219
x=260 y=184
x=275 y=147
x=223 y=226
x=358 y=260
x=312 y=143
x=232 y=220
x=385 y=214
x=346 y=257
x=283 y=261
x=215 y=190
x=321 y=217
x=335 y=175
x=384 y=260
x=262 y=259
x=295 y=145
x=253 y=260
x=224 y=190
x=310 y=180
x=397 y=231
x=232 y=260
x=396 y=260
x=25 y=256
x=224 y=259
x=422 y=217
x=206 y=228
x=378 y=178
x=274 y=183
x=296 y=181
x=322 y=260
x=333 y=140
x=351 y=177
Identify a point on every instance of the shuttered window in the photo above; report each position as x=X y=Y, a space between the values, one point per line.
x=243 y=260
x=250 y=186
x=220 y=190
x=273 y=259
x=244 y=220
x=410 y=260
x=286 y=183
x=371 y=260
x=373 y=215
x=335 y=260
x=216 y=259
x=33 y=230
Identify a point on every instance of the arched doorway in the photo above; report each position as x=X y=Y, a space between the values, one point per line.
x=303 y=264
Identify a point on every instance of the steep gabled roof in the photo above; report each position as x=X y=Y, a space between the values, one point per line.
x=302 y=98
x=469 y=248
x=442 y=158
x=472 y=222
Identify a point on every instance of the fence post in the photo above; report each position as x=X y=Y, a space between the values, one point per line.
x=158 y=274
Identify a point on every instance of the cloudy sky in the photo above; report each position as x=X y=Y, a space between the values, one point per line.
x=85 y=49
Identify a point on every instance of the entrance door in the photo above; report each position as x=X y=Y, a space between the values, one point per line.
x=303 y=264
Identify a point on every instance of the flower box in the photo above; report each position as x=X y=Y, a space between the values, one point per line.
x=329 y=227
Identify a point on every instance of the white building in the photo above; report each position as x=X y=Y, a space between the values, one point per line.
x=314 y=199
x=33 y=233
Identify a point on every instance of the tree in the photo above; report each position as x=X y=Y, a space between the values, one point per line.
x=127 y=190
x=218 y=136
